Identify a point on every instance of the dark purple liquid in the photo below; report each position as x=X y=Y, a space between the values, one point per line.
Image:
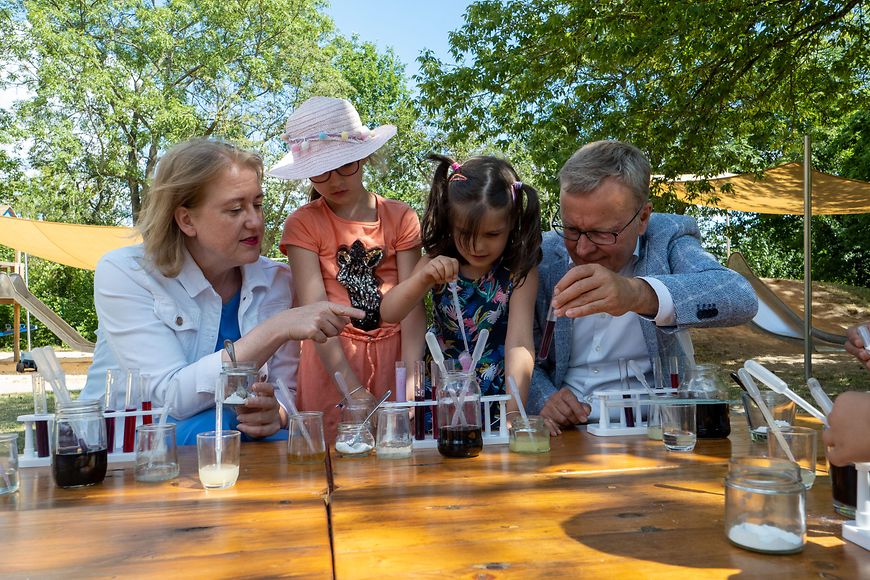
x=844 y=488
x=130 y=432
x=460 y=441
x=42 y=438
x=675 y=380
x=78 y=469
x=434 y=417
x=110 y=432
x=546 y=340
x=714 y=421
x=146 y=406
x=629 y=414
x=419 y=420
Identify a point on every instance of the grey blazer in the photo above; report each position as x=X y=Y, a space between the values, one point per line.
x=705 y=293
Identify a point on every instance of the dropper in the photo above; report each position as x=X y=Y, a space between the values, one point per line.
x=820 y=396
x=638 y=373
x=460 y=321
x=475 y=358
x=512 y=385
x=864 y=333
x=777 y=384
x=753 y=391
x=294 y=412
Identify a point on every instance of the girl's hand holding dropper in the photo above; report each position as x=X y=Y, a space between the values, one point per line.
x=440 y=270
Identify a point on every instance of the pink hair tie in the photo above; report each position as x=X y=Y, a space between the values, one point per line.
x=518 y=185
x=455 y=166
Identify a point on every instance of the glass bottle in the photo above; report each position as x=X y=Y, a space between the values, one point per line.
x=459 y=416
x=713 y=419
x=765 y=505
x=354 y=439
x=79 y=448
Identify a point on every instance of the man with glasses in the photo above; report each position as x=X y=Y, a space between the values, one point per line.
x=624 y=283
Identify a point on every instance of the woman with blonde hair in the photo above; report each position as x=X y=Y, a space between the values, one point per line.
x=166 y=306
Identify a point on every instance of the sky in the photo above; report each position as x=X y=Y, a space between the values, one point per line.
x=408 y=26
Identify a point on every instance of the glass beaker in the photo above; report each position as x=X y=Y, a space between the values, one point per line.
x=394 y=433
x=529 y=435
x=713 y=419
x=354 y=440
x=459 y=416
x=79 y=455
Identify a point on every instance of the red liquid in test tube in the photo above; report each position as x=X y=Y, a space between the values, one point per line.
x=547 y=339
x=110 y=432
x=42 y=438
x=129 y=431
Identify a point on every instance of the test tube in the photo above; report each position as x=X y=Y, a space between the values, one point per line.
x=400 y=390
x=624 y=385
x=419 y=396
x=114 y=388
x=434 y=381
x=40 y=407
x=146 y=398
x=131 y=403
x=547 y=338
x=674 y=370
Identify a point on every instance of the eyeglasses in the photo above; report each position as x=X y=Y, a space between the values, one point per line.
x=345 y=170
x=597 y=238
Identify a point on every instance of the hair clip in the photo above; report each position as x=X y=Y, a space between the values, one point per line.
x=455 y=166
x=457 y=177
x=517 y=185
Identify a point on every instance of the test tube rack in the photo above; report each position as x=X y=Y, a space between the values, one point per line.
x=490 y=437
x=857 y=531
x=30 y=458
x=605 y=399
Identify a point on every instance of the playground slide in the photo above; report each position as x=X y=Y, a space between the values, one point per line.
x=776 y=317
x=13 y=286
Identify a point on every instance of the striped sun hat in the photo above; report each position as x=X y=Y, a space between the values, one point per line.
x=324 y=133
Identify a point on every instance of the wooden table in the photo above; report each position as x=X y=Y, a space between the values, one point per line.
x=272 y=522
x=593 y=507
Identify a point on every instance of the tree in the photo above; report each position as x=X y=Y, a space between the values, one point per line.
x=701 y=86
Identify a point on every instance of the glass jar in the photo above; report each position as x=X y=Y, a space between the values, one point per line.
x=529 y=435
x=765 y=505
x=713 y=419
x=358 y=406
x=79 y=448
x=237 y=381
x=354 y=439
x=459 y=416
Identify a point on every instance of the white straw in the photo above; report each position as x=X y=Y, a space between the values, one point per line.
x=753 y=391
x=775 y=383
x=512 y=386
x=475 y=358
x=460 y=319
x=294 y=412
x=820 y=396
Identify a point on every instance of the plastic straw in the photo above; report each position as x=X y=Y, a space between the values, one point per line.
x=775 y=383
x=460 y=319
x=512 y=386
x=820 y=396
x=475 y=358
x=753 y=391
x=291 y=408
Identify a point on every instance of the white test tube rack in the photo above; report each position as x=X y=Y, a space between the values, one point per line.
x=30 y=458
x=606 y=399
x=857 y=531
x=490 y=437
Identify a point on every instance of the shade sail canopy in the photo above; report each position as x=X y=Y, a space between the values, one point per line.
x=69 y=244
x=780 y=191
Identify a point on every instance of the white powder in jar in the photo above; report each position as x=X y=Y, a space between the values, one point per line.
x=355 y=449
x=234 y=399
x=764 y=538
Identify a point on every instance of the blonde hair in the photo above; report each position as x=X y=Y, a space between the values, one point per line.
x=179 y=181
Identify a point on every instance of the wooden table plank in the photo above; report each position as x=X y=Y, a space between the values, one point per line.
x=602 y=507
x=272 y=522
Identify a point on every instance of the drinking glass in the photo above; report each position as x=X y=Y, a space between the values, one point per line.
x=678 y=427
x=156 y=453
x=394 y=433
x=218 y=456
x=802 y=442
x=529 y=435
x=8 y=463
x=305 y=443
x=782 y=409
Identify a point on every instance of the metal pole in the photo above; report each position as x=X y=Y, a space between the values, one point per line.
x=727 y=235
x=808 y=258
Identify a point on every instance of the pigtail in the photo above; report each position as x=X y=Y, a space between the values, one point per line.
x=524 y=246
x=436 y=231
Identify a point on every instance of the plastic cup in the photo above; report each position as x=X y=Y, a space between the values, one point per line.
x=803 y=443
x=156 y=453
x=305 y=443
x=8 y=463
x=218 y=472
x=679 y=432
x=782 y=409
x=394 y=439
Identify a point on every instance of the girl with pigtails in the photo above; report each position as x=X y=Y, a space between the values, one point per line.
x=481 y=231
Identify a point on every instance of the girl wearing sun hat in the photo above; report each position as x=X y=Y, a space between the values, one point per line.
x=351 y=246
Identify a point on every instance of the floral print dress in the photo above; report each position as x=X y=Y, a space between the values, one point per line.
x=484 y=305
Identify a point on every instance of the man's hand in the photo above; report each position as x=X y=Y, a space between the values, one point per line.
x=592 y=288
x=856 y=347
x=260 y=416
x=848 y=436
x=564 y=410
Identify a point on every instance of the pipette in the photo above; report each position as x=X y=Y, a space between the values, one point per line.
x=753 y=391
x=475 y=358
x=460 y=321
x=777 y=384
x=512 y=386
x=294 y=412
x=864 y=333
x=820 y=396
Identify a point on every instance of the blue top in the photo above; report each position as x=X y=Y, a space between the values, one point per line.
x=229 y=326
